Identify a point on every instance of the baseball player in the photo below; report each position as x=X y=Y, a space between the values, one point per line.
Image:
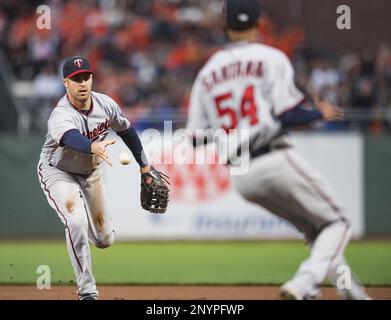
x=250 y=86
x=70 y=167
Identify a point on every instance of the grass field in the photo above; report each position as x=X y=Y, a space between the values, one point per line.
x=185 y=263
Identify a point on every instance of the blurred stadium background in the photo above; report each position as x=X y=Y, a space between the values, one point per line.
x=146 y=54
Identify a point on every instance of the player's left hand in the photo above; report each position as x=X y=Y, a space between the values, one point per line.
x=154 y=192
x=329 y=111
x=99 y=148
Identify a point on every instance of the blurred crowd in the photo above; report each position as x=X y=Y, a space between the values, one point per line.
x=146 y=54
x=359 y=82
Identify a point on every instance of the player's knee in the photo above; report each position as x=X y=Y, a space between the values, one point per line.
x=105 y=240
x=344 y=229
x=347 y=222
x=347 y=226
x=340 y=226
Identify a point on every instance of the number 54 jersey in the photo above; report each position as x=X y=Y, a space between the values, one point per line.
x=244 y=86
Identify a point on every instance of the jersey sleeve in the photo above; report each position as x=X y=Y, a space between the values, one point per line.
x=196 y=118
x=119 y=122
x=284 y=92
x=60 y=123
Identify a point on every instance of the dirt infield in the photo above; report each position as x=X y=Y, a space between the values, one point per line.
x=179 y=292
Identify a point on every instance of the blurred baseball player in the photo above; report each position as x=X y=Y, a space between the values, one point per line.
x=70 y=167
x=247 y=85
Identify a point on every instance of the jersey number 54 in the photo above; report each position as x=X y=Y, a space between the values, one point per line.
x=248 y=108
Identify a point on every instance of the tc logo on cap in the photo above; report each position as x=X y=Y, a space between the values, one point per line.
x=243 y=17
x=75 y=65
x=78 y=62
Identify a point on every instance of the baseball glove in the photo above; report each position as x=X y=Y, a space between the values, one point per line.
x=154 y=191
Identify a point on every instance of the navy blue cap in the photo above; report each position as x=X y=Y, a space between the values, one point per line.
x=75 y=65
x=241 y=14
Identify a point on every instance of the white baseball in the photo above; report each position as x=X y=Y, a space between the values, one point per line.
x=124 y=158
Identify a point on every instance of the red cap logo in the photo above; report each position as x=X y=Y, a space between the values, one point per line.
x=78 y=62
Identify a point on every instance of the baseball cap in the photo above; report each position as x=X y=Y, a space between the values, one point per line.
x=75 y=65
x=241 y=14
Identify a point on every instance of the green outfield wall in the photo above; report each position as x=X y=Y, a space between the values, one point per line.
x=24 y=211
x=377 y=162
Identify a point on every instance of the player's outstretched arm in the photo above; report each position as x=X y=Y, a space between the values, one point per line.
x=301 y=117
x=99 y=148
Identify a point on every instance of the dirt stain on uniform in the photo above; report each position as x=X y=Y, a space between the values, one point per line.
x=70 y=203
x=99 y=221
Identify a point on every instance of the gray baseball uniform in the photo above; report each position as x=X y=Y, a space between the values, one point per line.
x=73 y=181
x=247 y=86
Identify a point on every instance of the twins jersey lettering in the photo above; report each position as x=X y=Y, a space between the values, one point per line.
x=104 y=114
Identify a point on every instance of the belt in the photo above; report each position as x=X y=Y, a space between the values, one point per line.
x=258 y=152
x=262 y=150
